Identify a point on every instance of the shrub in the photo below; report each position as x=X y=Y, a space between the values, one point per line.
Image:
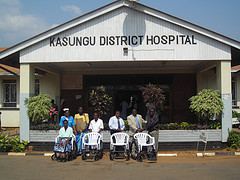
x=39 y=107
x=235 y=114
x=173 y=126
x=106 y=127
x=215 y=125
x=185 y=125
x=17 y=146
x=101 y=101
x=153 y=94
x=233 y=140
x=206 y=104
x=11 y=144
x=126 y=125
x=5 y=144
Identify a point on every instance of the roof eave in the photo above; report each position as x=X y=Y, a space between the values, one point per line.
x=110 y=7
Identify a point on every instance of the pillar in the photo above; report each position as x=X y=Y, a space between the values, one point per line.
x=223 y=74
x=27 y=85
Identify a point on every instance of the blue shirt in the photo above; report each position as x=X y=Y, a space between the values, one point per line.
x=137 y=122
x=70 y=119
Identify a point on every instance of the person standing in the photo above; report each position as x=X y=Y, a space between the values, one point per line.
x=82 y=122
x=71 y=122
x=116 y=123
x=152 y=126
x=135 y=122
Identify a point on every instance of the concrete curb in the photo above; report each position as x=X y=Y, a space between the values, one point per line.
x=16 y=154
x=219 y=154
x=167 y=155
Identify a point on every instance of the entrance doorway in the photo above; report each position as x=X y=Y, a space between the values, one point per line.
x=127 y=94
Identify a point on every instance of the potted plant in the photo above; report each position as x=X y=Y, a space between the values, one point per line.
x=101 y=100
x=206 y=104
x=39 y=108
x=154 y=96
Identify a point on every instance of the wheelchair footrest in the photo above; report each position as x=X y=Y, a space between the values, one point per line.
x=152 y=159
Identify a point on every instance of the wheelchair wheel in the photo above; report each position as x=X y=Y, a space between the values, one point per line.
x=53 y=157
x=128 y=156
x=83 y=155
x=96 y=157
x=139 y=158
x=101 y=154
x=111 y=156
x=74 y=152
x=133 y=150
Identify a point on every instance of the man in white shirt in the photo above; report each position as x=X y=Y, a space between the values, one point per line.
x=96 y=125
x=116 y=123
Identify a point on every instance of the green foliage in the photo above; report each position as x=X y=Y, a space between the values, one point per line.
x=5 y=144
x=153 y=94
x=173 y=126
x=16 y=145
x=39 y=107
x=185 y=125
x=215 y=125
x=206 y=104
x=235 y=114
x=45 y=126
x=11 y=144
x=126 y=125
x=100 y=100
x=106 y=127
x=233 y=140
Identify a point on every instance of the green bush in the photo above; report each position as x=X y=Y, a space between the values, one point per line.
x=101 y=100
x=235 y=114
x=106 y=127
x=233 y=140
x=206 y=104
x=126 y=125
x=215 y=125
x=5 y=144
x=11 y=144
x=185 y=125
x=39 y=107
x=173 y=126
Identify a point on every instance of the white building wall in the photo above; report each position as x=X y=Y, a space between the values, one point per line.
x=206 y=80
x=126 y=22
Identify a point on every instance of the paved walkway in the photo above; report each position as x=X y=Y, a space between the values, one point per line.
x=169 y=168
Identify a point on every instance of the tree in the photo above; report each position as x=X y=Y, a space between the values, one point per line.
x=39 y=107
x=206 y=104
x=153 y=94
x=100 y=100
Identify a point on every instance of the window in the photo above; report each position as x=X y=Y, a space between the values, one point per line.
x=37 y=87
x=10 y=93
x=234 y=99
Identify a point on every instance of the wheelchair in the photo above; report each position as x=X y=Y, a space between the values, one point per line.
x=119 y=146
x=66 y=152
x=92 y=146
x=143 y=147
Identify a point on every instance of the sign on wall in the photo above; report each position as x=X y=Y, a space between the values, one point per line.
x=72 y=82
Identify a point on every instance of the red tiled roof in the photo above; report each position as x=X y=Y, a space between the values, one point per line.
x=236 y=67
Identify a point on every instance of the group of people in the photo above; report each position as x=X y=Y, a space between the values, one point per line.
x=80 y=125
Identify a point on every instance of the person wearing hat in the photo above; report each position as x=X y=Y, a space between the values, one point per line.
x=71 y=122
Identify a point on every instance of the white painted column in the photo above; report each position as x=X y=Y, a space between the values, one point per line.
x=224 y=85
x=27 y=81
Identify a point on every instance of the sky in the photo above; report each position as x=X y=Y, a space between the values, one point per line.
x=22 y=19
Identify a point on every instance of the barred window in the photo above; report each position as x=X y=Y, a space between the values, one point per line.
x=10 y=93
